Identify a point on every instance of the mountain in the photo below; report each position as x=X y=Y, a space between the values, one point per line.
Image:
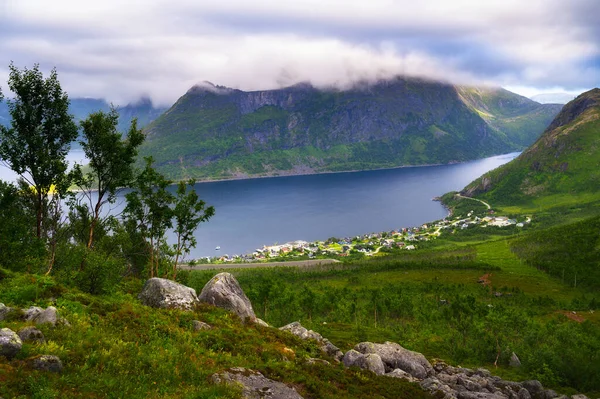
x=217 y=132
x=80 y=108
x=565 y=160
x=553 y=98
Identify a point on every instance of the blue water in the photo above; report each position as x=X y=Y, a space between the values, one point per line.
x=256 y=212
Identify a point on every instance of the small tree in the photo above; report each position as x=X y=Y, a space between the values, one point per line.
x=111 y=161
x=188 y=213
x=37 y=142
x=149 y=212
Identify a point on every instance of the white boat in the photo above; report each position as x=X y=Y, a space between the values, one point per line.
x=217 y=248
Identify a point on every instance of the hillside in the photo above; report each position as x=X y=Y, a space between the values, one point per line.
x=218 y=132
x=564 y=161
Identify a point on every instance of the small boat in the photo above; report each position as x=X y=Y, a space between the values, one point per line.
x=217 y=248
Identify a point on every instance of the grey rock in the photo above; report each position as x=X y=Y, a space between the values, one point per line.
x=200 y=325
x=533 y=386
x=326 y=346
x=481 y=395
x=4 y=311
x=469 y=384
x=261 y=322
x=395 y=356
x=372 y=362
x=514 y=360
x=351 y=358
x=166 y=294
x=31 y=334
x=523 y=394
x=332 y=350
x=47 y=363
x=550 y=394
x=38 y=315
x=313 y=361
x=436 y=387
x=580 y=396
x=397 y=373
x=10 y=343
x=255 y=385
x=224 y=291
x=303 y=333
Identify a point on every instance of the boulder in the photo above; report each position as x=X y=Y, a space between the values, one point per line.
x=10 y=343
x=31 y=334
x=46 y=363
x=397 y=373
x=38 y=315
x=533 y=386
x=167 y=294
x=4 y=311
x=255 y=385
x=326 y=346
x=514 y=360
x=224 y=291
x=200 y=325
x=395 y=356
x=372 y=362
x=261 y=322
x=351 y=358
x=580 y=396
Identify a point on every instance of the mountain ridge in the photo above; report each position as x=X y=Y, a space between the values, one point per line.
x=564 y=159
x=217 y=132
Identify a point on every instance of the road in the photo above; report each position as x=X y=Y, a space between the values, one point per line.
x=293 y=263
x=475 y=199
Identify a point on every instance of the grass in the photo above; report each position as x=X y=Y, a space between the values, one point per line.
x=115 y=347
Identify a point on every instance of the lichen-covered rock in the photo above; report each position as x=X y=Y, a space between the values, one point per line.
x=10 y=343
x=200 y=325
x=47 y=363
x=255 y=385
x=224 y=291
x=167 y=294
x=42 y=316
x=4 y=311
x=397 y=373
x=326 y=346
x=395 y=356
x=351 y=358
x=31 y=334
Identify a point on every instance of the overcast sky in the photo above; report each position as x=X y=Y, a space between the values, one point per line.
x=120 y=50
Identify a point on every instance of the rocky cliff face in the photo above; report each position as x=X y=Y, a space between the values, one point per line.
x=214 y=131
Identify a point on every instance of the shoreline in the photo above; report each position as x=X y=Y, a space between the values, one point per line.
x=342 y=171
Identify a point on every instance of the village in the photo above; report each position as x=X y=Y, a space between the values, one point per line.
x=407 y=239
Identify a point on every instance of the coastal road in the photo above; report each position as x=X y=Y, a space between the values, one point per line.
x=293 y=263
x=475 y=199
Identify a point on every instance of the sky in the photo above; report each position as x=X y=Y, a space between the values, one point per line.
x=121 y=50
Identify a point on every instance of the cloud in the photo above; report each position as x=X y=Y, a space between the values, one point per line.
x=121 y=50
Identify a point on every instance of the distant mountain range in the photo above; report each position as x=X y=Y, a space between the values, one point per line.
x=553 y=98
x=214 y=132
x=80 y=108
x=564 y=160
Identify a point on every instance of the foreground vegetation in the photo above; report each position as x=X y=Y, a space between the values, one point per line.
x=471 y=297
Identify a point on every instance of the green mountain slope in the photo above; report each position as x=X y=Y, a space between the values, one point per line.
x=564 y=161
x=217 y=132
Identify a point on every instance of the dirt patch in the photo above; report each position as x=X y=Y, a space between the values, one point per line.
x=572 y=315
x=485 y=280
